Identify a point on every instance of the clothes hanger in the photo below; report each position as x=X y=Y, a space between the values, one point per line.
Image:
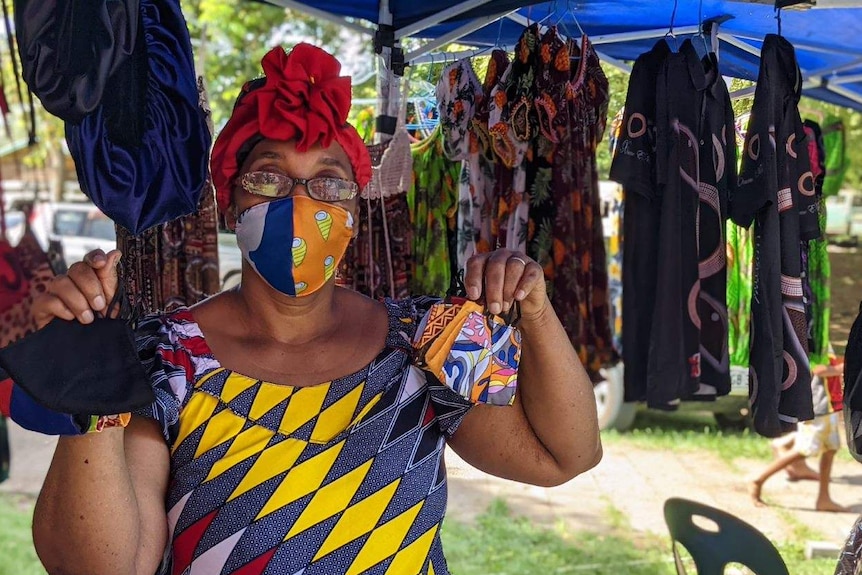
x=561 y=24
x=700 y=31
x=778 y=17
x=670 y=33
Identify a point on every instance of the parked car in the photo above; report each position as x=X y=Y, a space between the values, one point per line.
x=730 y=411
x=14 y=223
x=79 y=228
x=844 y=215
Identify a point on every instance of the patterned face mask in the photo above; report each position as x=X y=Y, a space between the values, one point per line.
x=294 y=244
x=473 y=352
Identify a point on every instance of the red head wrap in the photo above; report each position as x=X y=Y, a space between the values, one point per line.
x=302 y=98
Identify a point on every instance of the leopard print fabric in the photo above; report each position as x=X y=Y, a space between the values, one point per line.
x=16 y=322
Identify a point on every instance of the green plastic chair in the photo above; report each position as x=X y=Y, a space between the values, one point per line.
x=734 y=541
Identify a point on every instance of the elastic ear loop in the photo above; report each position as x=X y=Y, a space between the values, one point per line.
x=512 y=317
x=120 y=303
x=456 y=286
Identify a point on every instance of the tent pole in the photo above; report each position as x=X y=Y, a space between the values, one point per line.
x=454 y=35
x=384 y=45
x=855 y=63
x=844 y=92
x=641 y=35
x=438 y=17
x=803 y=45
x=733 y=41
x=323 y=15
x=618 y=64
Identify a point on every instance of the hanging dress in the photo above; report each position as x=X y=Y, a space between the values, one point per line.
x=771 y=195
x=634 y=167
x=433 y=203
x=512 y=122
x=552 y=113
x=458 y=93
x=818 y=270
x=580 y=285
x=487 y=160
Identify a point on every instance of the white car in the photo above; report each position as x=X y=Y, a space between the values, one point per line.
x=82 y=227
x=844 y=215
x=78 y=227
x=14 y=221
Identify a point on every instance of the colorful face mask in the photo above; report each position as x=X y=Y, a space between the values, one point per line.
x=473 y=352
x=296 y=243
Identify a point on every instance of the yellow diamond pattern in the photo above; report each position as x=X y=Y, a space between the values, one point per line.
x=303 y=479
x=221 y=427
x=268 y=396
x=384 y=541
x=337 y=417
x=195 y=414
x=358 y=520
x=331 y=499
x=411 y=558
x=246 y=444
x=235 y=385
x=271 y=462
x=304 y=404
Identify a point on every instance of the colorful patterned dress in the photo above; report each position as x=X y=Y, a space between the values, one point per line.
x=580 y=284
x=343 y=477
x=433 y=201
x=487 y=160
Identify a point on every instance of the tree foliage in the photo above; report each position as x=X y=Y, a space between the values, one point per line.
x=231 y=36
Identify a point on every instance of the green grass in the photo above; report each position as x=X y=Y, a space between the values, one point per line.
x=16 y=542
x=497 y=543
x=690 y=431
x=502 y=544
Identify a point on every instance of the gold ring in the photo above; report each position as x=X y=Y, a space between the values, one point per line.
x=516 y=258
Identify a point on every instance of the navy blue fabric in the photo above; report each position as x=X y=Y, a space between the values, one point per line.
x=69 y=49
x=142 y=155
x=835 y=33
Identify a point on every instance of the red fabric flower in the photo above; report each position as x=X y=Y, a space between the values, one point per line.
x=304 y=99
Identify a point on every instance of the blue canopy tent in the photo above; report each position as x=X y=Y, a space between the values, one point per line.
x=827 y=34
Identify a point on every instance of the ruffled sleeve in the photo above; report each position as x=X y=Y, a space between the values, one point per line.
x=170 y=369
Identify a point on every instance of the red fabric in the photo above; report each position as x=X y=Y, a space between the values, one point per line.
x=302 y=99
x=835 y=387
x=14 y=285
x=5 y=397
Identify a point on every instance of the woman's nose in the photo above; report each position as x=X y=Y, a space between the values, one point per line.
x=300 y=189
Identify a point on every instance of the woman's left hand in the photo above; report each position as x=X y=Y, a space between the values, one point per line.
x=503 y=277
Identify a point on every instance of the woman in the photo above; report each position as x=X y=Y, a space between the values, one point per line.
x=292 y=432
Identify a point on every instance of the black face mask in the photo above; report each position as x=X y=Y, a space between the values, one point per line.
x=73 y=368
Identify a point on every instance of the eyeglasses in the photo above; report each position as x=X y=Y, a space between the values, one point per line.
x=275 y=185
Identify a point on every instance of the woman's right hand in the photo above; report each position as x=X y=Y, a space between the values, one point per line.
x=87 y=288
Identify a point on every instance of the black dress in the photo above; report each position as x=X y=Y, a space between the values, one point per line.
x=771 y=191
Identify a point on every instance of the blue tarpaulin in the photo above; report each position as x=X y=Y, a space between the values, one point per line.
x=827 y=37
